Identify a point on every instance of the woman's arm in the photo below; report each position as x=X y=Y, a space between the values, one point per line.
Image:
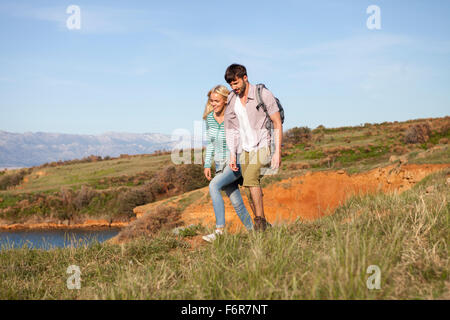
x=209 y=153
x=209 y=147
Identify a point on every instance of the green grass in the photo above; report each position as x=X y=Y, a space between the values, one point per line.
x=439 y=156
x=90 y=173
x=114 y=177
x=350 y=156
x=186 y=201
x=405 y=235
x=435 y=137
x=118 y=186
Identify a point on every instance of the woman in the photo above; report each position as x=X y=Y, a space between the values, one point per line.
x=225 y=177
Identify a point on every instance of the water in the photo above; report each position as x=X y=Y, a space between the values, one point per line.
x=48 y=239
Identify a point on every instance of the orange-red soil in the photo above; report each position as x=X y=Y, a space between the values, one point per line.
x=315 y=194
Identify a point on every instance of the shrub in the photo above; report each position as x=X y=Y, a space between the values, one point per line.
x=419 y=133
x=132 y=198
x=84 y=197
x=182 y=178
x=68 y=196
x=161 y=218
x=189 y=177
x=13 y=179
x=297 y=135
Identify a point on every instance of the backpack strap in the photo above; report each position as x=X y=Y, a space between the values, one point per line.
x=261 y=104
x=259 y=99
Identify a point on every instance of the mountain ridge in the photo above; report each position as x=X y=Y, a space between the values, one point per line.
x=34 y=148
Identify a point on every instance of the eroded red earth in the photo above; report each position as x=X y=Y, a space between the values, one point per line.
x=315 y=194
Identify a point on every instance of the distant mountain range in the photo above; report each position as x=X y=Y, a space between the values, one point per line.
x=32 y=149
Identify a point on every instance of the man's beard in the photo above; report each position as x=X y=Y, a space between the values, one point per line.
x=242 y=91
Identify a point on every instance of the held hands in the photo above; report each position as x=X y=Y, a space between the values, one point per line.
x=233 y=164
x=207 y=172
x=275 y=164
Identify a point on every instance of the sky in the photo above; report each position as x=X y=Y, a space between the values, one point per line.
x=147 y=66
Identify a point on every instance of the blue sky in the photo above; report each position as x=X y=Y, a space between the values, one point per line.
x=146 y=66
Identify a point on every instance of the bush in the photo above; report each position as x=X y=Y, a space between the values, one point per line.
x=419 y=133
x=161 y=218
x=297 y=135
x=84 y=197
x=132 y=198
x=189 y=177
x=13 y=179
x=182 y=178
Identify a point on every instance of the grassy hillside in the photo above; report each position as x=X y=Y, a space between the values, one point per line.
x=111 y=188
x=406 y=236
x=108 y=189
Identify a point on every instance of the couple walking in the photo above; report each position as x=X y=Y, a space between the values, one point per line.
x=239 y=142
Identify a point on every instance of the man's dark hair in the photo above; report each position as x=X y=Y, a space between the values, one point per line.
x=235 y=71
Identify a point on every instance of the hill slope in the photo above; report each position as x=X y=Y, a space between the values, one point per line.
x=93 y=188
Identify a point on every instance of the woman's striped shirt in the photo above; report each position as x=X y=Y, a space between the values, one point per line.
x=217 y=144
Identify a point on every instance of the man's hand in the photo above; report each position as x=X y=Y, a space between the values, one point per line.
x=276 y=160
x=207 y=172
x=278 y=135
x=233 y=164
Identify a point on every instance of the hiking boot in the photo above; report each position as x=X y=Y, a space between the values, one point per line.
x=261 y=224
x=213 y=236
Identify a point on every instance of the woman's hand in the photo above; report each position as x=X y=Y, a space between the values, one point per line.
x=232 y=163
x=207 y=172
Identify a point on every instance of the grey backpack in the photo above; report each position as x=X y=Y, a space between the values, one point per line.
x=261 y=104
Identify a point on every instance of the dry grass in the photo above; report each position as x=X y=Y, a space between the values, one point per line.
x=162 y=218
x=405 y=235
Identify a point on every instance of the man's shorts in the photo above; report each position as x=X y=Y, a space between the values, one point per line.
x=253 y=165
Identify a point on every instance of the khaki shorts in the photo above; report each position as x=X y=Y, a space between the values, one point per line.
x=253 y=165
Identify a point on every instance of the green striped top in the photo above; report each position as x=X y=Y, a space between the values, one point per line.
x=217 y=144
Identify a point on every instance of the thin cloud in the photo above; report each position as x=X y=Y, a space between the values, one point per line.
x=94 y=19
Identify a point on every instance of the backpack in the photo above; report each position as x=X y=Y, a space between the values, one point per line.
x=261 y=104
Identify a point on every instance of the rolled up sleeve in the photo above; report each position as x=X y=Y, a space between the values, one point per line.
x=231 y=129
x=269 y=100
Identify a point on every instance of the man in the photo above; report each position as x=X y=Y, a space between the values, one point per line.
x=247 y=136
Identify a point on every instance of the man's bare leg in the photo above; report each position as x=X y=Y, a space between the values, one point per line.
x=257 y=198
x=250 y=200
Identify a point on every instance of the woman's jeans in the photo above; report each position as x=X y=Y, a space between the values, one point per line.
x=227 y=180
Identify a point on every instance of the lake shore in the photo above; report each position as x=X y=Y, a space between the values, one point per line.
x=88 y=223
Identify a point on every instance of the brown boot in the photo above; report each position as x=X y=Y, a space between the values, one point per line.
x=261 y=224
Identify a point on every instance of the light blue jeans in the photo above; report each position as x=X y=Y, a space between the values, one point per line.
x=227 y=180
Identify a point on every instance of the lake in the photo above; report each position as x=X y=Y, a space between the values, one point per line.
x=47 y=239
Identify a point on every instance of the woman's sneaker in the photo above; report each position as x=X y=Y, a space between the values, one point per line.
x=213 y=236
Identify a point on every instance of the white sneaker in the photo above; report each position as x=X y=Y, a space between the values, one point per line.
x=213 y=236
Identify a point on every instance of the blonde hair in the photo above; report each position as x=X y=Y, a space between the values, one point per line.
x=220 y=89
